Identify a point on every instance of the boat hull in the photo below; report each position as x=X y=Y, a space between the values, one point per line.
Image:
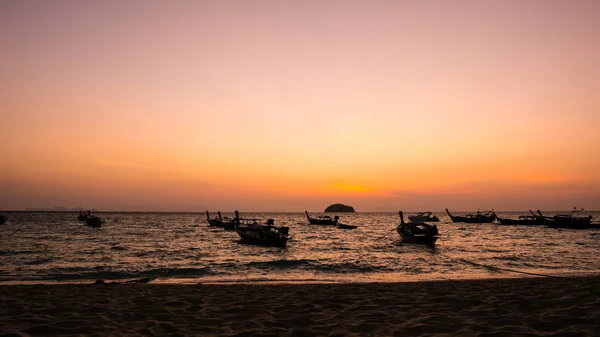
x=322 y=222
x=528 y=222
x=472 y=220
x=429 y=237
x=418 y=239
x=423 y=218
x=94 y=221
x=218 y=223
x=573 y=223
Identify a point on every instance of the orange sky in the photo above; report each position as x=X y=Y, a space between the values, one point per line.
x=293 y=105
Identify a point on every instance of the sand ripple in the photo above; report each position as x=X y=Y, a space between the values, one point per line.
x=515 y=307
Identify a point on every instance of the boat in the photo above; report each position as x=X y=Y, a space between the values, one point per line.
x=94 y=221
x=253 y=232
x=3 y=219
x=424 y=217
x=322 y=220
x=417 y=232
x=570 y=220
x=344 y=226
x=82 y=216
x=541 y=219
x=225 y=223
x=479 y=217
x=523 y=220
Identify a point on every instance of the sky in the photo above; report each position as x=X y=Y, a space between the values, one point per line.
x=294 y=105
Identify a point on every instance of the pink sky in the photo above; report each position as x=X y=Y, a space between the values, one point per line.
x=293 y=105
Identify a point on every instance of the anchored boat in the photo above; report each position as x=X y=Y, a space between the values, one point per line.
x=571 y=221
x=344 y=226
x=253 y=232
x=322 y=220
x=94 y=221
x=417 y=232
x=222 y=222
x=82 y=216
x=523 y=220
x=424 y=216
x=479 y=217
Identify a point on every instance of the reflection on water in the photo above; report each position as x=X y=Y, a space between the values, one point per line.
x=180 y=247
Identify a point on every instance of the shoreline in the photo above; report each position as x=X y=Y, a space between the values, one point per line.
x=381 y=278
x=533 y=306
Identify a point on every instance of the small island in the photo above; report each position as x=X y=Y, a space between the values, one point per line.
x=338 y=208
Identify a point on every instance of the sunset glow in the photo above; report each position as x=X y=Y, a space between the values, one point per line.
x=287 y=106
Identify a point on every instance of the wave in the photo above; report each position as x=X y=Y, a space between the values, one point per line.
x=312 y=265
x=280 y=264
x=351 y=267
x=73 y=274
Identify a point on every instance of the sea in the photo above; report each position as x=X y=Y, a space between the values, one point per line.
x=53 y=247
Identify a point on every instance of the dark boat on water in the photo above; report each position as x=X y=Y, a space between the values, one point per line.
x=541 y=219
x=82 y=216
x=417 y=232
x=3 y=219
x=479 y=217
x=569 y=220
x=94 y=221
x=253 y=232
x=424 y=217
x=344 y=226
x=225 y=223
x=322 y=220
x=523 y=220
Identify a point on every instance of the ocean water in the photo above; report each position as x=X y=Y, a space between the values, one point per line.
x=50 y=247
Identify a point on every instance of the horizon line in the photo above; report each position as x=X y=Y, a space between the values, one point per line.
x=203 y=212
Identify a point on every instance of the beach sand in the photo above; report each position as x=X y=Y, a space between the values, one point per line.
x=500 y=307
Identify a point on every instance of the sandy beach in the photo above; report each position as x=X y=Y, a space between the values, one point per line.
x=524 y=307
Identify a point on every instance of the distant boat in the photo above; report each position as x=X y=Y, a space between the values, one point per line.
x=94 y=221
x=82 y=216
x=344 y=226
x=225 y=223
x=523 y=220
x=423 y=216
x=479 y=217
x=569 y=221
x=3 y=219
x=252 y=232
x=417 y=232
x=322 y=220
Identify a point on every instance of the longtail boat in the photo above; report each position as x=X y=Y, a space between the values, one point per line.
x=253 y=232
x=522 y=220
x=570 y=221
x=424 y=216
x=322 y=220
x=479 y=217
x=222 y=222
x=417 y=232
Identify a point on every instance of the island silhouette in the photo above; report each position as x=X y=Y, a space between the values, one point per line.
x=340 y=208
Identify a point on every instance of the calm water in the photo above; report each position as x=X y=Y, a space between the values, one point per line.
x=180 y=247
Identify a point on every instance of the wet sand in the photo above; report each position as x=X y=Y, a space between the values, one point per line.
x=500 y=307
